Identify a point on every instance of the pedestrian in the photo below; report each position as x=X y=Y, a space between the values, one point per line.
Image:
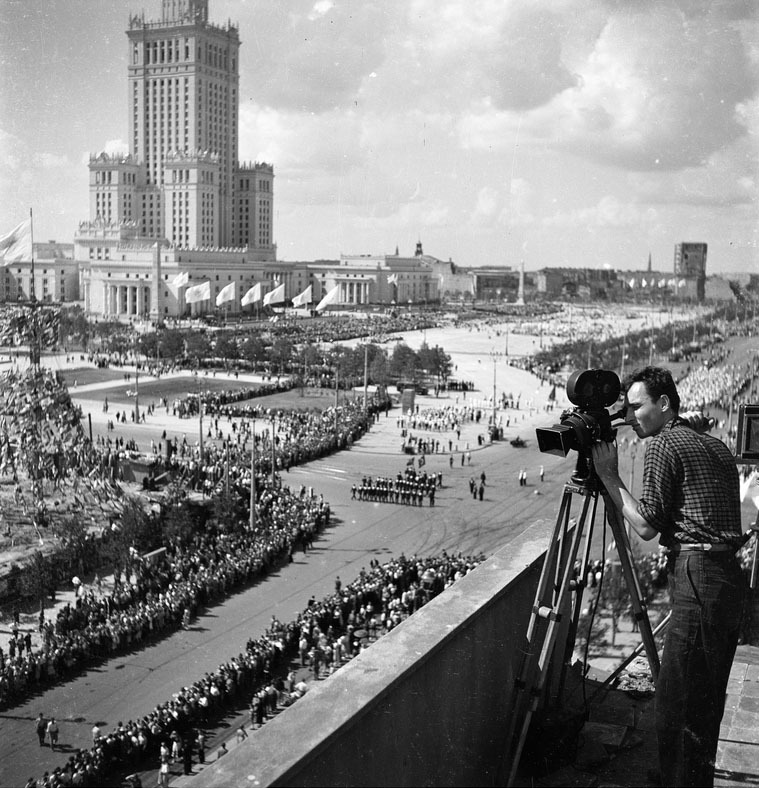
x=482 y=490
x=690 y=498
x=163 y=774
x=542 y=473
x=187 y=756
x=222 y=751
x=96 y=732
x=200 y=741
x=52 y=732
x=41 y=728
x=242 y=734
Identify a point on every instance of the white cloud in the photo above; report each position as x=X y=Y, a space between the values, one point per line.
x=320 y=9
x=609 y=212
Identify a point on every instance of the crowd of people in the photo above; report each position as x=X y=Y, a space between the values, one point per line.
x=323 y=637
x=153 y=595
x=716 y=385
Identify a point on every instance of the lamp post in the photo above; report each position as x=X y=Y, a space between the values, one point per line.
x=253 y=479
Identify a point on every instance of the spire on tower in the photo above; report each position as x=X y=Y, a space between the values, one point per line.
x=649 y=262
x=418 y=252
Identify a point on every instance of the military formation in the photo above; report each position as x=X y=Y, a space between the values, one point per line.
x=409 y=488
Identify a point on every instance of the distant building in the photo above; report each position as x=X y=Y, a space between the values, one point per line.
x=690 y=264
x=179 y=192
x=56 y=275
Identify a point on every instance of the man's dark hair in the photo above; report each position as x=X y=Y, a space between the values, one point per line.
x=658 y=381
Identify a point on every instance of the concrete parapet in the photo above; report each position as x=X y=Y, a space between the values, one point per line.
x=425 y=705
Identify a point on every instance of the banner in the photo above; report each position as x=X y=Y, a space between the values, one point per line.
x=198 y=293
x=303 y=298
x=16 y=246
x=253 y=295
x=328 y=299
x=226 y=294
x=632 y=283
x=180 y=280
x=276 y=296
x=392 y=279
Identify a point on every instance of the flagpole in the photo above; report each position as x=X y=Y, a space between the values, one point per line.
x=32 y=293
x=253 y=480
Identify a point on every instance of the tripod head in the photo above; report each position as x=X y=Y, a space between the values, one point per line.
x=584 y=474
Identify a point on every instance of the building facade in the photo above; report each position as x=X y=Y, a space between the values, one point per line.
x=178 y=201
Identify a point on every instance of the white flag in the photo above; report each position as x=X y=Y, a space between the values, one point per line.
x=276 y=296
x=303 y=298
x=643 y=283
x=180 y=280
x=198 y=293
x=681 y=283
x=672 y=283
x=662 y=282
x=328 y=299
x=632 y=283
x=253 y=295
x=16 y=245
x=392 y=279
x=226 y=294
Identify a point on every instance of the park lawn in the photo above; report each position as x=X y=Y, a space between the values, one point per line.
x=180 y=387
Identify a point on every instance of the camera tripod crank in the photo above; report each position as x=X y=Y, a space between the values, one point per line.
x=558 y=603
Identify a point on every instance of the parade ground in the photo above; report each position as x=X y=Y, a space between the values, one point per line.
x=129 y=686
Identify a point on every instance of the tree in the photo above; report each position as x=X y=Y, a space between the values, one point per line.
x=281 y=353
x=147 y=344
x=36 y=579
x=226 y=346
x=254 y=350
x=198 y=347
x=404 y=363
x=171 y=344
x=435 y=361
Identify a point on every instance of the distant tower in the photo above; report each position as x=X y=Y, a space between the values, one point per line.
x=520 y=292
x=649 y=263
x=181 y=179
x=418 y=252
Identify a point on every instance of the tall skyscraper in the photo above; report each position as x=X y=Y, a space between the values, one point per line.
x=181 y=180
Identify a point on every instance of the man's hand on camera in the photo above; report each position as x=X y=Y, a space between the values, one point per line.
x=605 y=460
x=697 y=421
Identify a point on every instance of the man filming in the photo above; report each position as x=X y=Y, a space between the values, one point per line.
x=690 y=498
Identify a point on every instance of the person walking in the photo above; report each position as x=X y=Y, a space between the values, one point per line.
x=40 y=726
x=52 y=732
x=200 y=741
x=690 y=498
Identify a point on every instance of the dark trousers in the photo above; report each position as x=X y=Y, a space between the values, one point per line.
x=707 y=601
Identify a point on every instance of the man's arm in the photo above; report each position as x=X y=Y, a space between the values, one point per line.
x=605 y=462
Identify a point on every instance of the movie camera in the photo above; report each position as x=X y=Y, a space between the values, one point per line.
x=592 y=391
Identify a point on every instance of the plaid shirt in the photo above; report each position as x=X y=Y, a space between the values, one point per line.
x=691 y=491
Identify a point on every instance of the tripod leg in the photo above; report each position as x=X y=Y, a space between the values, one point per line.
x=551 y=603
x=633 y=585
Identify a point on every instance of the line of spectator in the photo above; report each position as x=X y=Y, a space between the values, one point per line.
x=156 y=594
x=325 y=635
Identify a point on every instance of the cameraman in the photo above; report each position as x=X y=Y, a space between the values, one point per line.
x=690 y=498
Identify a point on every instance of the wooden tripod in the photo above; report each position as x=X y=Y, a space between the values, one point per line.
x=558 y=603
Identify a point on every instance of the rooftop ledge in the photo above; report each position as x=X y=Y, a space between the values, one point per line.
x=428 y=704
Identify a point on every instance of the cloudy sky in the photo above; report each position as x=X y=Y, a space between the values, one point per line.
x=558 y=132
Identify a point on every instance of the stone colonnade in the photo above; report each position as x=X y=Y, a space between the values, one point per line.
x=126 y=299
x=354 y=292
